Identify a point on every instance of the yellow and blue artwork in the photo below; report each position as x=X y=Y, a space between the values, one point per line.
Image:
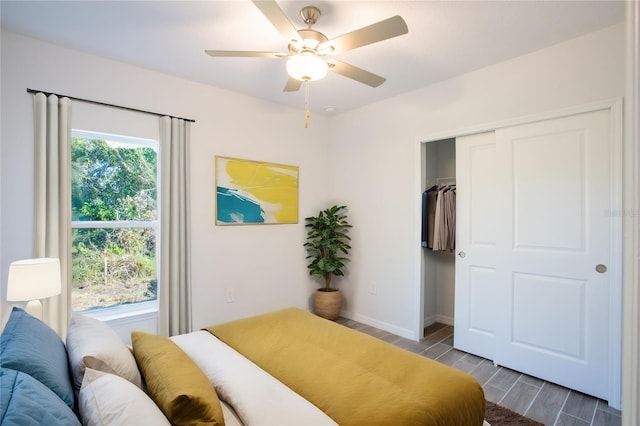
x=254 y=192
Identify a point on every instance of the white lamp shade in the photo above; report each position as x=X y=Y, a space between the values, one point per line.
x=307 y=67
x=33 y=279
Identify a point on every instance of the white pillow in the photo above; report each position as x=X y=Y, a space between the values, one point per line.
x=106 y=399
x=93 y=344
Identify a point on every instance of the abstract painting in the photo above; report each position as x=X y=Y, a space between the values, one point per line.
x=255 y=192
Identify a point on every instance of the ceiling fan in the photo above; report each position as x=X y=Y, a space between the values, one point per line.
x=309 y=51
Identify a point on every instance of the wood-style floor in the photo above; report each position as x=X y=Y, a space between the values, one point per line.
x=545 y=402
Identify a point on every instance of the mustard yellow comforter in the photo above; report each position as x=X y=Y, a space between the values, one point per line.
x=354 y=378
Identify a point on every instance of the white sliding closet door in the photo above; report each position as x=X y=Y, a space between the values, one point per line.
x=477 y=227
x=532 y=290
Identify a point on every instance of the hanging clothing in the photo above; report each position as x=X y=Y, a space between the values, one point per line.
x=429 y=198
x=448 y=222
x=439 y=221
x=451 y=223
x=424 y=230
x=438 y=218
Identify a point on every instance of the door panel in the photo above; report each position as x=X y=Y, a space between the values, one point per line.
x=481 y=183
x=548 y=170
x=533 y=215
x=476 y=230
x=482 y=287
x=541 y=299
x=557 y=230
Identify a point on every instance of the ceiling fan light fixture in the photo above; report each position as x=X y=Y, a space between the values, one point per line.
x=307 y=67
x=311 y=43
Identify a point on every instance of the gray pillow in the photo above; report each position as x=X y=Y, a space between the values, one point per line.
x=93 y=344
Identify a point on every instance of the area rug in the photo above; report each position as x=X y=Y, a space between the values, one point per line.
x=500 y=416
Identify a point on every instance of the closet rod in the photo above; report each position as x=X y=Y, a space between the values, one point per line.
x=109 y=105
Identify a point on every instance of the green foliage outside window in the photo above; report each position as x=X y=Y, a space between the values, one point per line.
x=113 y=182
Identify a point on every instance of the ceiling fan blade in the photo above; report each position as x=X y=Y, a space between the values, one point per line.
x=243 y=54
x=278 y=19
x=383 y=30
x=292 y=85
x=355 y=73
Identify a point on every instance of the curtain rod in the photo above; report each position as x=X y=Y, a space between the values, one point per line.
x=109 y=105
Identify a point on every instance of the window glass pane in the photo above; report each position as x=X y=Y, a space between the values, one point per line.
x=112 y=180
x=112 y=267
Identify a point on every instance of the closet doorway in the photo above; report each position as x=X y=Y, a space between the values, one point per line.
x=439 y=160
x=537 y=264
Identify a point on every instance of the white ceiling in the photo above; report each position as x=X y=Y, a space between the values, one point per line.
x=445 y=39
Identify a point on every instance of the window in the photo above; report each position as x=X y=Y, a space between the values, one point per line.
x=115 y=228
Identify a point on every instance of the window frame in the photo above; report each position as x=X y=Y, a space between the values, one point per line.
x=136 y=308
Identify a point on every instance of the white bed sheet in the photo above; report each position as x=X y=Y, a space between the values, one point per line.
x=231 y=418
x=257 y=398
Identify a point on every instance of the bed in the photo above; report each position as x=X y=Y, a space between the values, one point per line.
x=286 y=367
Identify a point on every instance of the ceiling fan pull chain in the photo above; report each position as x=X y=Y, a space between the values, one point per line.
x=306 y=104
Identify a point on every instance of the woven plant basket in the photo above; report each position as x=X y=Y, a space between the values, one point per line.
x=327 y=304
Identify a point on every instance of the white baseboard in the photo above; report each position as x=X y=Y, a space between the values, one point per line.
x=443 y=319
x=429 y=320
x=398 y=331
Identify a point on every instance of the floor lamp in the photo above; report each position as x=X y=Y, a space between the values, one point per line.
x=33 y=279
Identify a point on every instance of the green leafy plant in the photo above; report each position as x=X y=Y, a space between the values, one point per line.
x=113 y=182
x=327 y=243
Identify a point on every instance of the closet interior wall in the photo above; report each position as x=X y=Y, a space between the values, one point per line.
x=438 y=162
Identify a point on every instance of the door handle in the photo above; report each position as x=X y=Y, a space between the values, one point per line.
x=462 y=254
x=600 y=268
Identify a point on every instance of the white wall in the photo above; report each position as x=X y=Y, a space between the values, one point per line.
x=265 y=265
x=383 y=140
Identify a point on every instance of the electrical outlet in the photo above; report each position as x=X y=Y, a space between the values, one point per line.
x=374 y=289
x=231 y=296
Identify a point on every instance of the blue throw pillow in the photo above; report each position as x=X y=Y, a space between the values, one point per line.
x=29 y=345
x=26 y=401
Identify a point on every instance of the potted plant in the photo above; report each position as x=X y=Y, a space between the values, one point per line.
x=327 y=247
